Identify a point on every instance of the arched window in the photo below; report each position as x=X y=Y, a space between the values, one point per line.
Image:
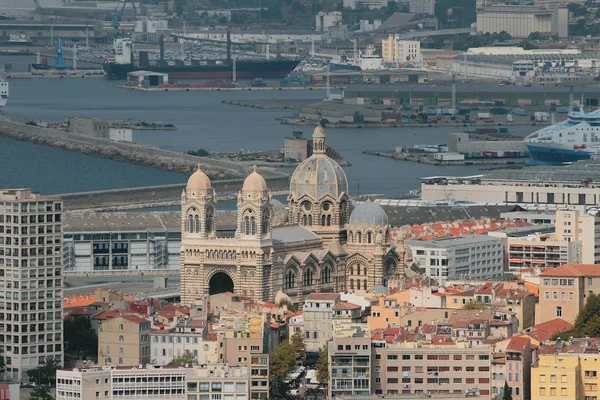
x=265 y=223
x=197 y=222
x=191 y=224
x=290 y=279
x=323 y=219
x=308 y=277
x=247 y=225
x=304 y=220
x=352 y=284
x=369 y=237
x=310 y=220
x=253 y=223
x=365 y=284
x=359 y=237
x=209 y=221
x=357 y=269
x=329 y=220
x=326 y=274
x=351 y=270
x=343 y=211
x=358 y=284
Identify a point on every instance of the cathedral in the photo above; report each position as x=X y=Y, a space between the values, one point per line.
x=321 y=242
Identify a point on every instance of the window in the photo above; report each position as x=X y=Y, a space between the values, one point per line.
x=558 y=311
x=591 y=374
x=290 y=279
x=553 y=378
x=308 y=277
x=121 y=338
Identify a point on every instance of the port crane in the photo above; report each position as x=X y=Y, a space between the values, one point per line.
x=38 y=8
x=118 y=14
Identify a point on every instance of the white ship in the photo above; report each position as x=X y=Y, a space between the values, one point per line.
x=3 y=91
x=577 y=138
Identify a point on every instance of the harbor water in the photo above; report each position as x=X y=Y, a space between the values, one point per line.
x=202 y=121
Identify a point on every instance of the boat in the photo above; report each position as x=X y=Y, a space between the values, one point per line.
x=576 y=138
x=3 y=91
x=17 y=40
x=120 y=62
x=367 y=60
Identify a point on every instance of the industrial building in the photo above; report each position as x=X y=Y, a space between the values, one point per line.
x=87 y=126
x=425 y=95
x=147 y=79
x=296 y=147
x=461 y=143
x=335 y=112
x=574 y=184
x=371 y=4
x=327 y=20
x=521 y=21
x=401 y=52
x=515 y=63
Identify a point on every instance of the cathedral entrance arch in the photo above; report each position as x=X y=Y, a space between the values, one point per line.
x=220 y=282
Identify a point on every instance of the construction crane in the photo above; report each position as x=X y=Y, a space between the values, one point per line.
x=38 y=8
x=118 y=14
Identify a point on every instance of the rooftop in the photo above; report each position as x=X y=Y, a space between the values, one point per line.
x=545 y=331
x=452 y=241
x=572 y=270
x=322 y=297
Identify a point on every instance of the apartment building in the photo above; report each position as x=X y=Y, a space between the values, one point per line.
x=422 y=6
x=31 y=281
x=575 y=225
x=471 y=256
x=318 y=317
x=512 y=365
x=210 y=381
x=559 y=376
x=564 y=289
x=398 y=51
x=241 y=339
x=521 y=301
x=124 y=340
x=185 y=338
x=350 y=360
x=439 y=367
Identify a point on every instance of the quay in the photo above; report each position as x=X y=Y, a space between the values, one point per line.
x=134 y=153
x=427 y=158
x=218 y=89
x=156 y=196
x=68 y=75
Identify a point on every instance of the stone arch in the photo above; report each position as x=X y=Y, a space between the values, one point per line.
x=308 y=274
x=216 y=271
x=326 y=273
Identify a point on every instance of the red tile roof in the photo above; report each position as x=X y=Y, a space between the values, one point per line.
x=323 y=296
x=344 y=305
x=573 y=270
x=136 y=319
x=108 y=314
x=545 y=331
x=517 y=343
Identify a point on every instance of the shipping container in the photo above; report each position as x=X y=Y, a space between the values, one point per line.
x=520 y=111
x=483 y=115
x=562 y=110
x=497 y=110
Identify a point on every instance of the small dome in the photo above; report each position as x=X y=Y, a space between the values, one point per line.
x=199 y=181
x=280 y=213
x=319 y=132
x=368 y=213
x=254 y=183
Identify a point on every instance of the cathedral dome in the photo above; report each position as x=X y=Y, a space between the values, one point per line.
x=318 y=176
x=368 y=213
x=254 y=183
x=199 y=181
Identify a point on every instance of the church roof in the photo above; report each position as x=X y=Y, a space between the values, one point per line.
x=368 y=213
x=292 y=233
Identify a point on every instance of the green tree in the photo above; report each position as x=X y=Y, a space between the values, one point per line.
x=283 y=359
x=80 y=337
x=199 y=153
x=506 y=393
x=297 y=341
x=183 y=359
x=323 y=365
x=40 y=394
x=48 y=369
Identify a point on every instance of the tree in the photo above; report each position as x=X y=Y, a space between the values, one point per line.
x=80 y=337
x=187 y=358
x=323 y=365
x=199 y=153
x=297 y=341
x=506 y=393
x=40 y=393
x=472 y=305
x=283 y=358
x=48 y=369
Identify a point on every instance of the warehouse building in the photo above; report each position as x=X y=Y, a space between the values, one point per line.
x=417 y=95
x=521 y=21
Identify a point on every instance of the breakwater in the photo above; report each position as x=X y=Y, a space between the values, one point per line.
x=129 y=152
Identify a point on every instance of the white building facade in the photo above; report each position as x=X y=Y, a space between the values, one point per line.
x=371 y=4
x=31 y=283
x=422 y=6
x=398 y=51
x=326 y=20
x=471 y=256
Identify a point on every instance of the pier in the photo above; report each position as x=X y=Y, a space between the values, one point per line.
x=427 y=158
x=134 y=153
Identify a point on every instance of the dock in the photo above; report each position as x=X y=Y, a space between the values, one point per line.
x=427 y=158
x=218 y=89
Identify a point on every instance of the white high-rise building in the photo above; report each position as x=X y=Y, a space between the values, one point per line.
x=422 y=6
x=31 y=280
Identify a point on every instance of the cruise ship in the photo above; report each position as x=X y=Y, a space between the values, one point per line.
x=576 y=138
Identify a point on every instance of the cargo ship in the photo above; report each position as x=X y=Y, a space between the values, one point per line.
x=577 y=138
x=118 y=64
